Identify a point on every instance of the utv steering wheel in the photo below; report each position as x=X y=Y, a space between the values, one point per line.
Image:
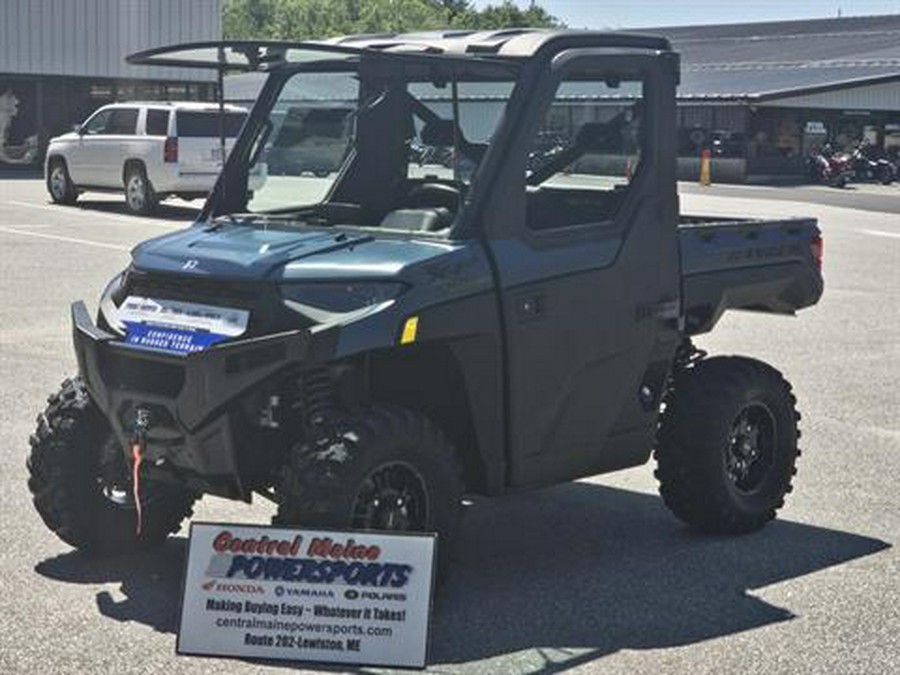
x=439 y=195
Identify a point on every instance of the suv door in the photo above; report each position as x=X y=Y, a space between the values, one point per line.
x=585 y=252
x=81 y=157
x=114 y=146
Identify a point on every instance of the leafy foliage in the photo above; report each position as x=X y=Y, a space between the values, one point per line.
x=300 y=19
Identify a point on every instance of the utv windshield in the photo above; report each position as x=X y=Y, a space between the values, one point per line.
x=383 y=142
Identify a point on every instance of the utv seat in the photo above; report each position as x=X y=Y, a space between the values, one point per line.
x=418 y=220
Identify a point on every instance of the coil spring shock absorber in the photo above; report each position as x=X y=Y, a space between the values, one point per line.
x=318 y=398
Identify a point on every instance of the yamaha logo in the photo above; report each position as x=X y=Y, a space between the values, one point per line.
x=191 y=264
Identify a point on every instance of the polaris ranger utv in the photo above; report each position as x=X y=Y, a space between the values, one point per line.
x=364 y=348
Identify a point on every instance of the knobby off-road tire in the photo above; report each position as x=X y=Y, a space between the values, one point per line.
x=383 y=469
x=727 y=444
x=140 y=197
x=59 y=183
x=67 y=449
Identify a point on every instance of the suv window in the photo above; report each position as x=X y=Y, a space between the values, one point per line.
x=206 y=124
x=122 y=122
x=157 y=123
x=581 y=161
x=97 y=124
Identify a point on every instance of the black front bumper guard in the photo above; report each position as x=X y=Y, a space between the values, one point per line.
x=187 y=396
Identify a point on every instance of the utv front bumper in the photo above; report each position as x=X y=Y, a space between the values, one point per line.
x=190 y=398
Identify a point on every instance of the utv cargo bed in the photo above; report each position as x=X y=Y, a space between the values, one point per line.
x=737 y=263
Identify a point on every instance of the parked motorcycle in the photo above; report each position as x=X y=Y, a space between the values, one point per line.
x=867 y=167
x=829 y=167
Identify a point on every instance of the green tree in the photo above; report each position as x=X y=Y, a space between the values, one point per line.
x=397 y=16
x=301 y=19
x=508 y=15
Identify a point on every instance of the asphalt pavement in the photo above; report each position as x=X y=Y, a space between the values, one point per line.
x=593 y=576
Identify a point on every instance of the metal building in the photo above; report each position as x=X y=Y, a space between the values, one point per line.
x=762 y=96
x=62 y=59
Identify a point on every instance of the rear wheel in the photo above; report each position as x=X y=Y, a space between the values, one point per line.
x=385 y=469
x=727 y=444
x=59 y=184
x=140 y=198
x=81 y=485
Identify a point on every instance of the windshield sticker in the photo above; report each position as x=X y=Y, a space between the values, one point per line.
x=183 y=315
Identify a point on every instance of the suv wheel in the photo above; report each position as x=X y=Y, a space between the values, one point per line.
x=59 y=185
x=140 y=197
x=727 y=444
x=385 y=469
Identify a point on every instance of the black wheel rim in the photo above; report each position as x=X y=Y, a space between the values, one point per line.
x=750 y=452
x=392 y=497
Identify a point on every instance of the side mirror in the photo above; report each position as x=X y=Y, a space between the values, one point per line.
x=77 y=129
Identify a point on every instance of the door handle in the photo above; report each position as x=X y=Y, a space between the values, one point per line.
x=529 y=307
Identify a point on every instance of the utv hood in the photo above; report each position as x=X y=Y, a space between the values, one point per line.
x=239 y=251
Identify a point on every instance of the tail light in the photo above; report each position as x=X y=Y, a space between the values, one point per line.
x=817 y=246
x=170 y=150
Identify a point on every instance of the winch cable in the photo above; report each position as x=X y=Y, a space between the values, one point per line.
x=137 y=457
x=138 y=450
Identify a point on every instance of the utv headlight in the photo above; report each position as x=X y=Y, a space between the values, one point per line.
x=320 y=301
x=109 y=301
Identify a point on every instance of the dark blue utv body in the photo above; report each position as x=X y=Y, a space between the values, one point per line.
x=539 y=342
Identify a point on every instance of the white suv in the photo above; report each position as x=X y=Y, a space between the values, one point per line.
x=149 y=150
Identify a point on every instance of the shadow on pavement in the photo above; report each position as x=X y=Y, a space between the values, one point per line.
x=164 y=211
x=572 y=568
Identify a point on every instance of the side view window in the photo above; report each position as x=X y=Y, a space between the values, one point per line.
x=585 y=154
x=157 y=123
x=122 y=122
x=97 y=124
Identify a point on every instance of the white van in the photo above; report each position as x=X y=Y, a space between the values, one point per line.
x=148 y=150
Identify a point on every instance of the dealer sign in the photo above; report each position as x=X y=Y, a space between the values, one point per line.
x=307 y=595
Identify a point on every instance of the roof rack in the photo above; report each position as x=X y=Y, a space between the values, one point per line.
x=507 y=44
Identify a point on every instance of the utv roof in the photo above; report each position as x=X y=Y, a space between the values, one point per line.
x=509 y=44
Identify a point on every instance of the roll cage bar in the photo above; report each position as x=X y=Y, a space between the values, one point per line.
x=264 y=55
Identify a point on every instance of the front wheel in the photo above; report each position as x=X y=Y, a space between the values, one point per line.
x=727 y=444
x=384 y=469
x=59 y=184
x=81 y=483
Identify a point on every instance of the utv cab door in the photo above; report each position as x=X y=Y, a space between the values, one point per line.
x=584 y=244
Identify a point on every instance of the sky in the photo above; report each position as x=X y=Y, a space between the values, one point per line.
x=646 y=13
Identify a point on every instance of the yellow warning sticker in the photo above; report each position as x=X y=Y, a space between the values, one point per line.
x=409 y=330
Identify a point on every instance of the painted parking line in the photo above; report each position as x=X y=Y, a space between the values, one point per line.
x=882 y=233
x=69 y=240
x=69 y=210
